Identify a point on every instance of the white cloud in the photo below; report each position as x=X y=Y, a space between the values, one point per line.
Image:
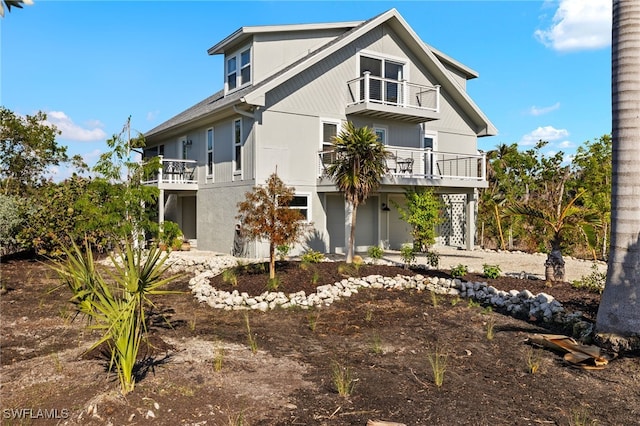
x=547 y=133
x=535 y=111
x=91 y=157
x=578 y=25
x=74 y=132
x=152 y=115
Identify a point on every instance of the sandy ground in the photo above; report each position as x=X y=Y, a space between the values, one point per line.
x=509 y=262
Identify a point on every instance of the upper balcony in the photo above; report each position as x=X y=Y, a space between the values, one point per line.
x=175 y=174
x=393 y=99
x=422 y=167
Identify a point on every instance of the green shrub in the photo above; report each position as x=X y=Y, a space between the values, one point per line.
x=12 y=219
x=491 y=271
x=375 y=253
x=594 y=282
x=273 y=283
x=312 y=256
x=230 y=276
x=408 y=254
x=283 y=251
x=459 y=271
x=433 y=259
x=170 y=234
x=349 y=269
x=422 y=211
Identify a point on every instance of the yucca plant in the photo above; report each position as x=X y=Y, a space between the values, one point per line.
x=117 y=309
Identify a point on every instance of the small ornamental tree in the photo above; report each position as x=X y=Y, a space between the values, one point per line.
x=265 y=215
x=422 y=213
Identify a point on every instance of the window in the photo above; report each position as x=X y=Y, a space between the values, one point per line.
x=429 y=139
x=238 y=69
x=232 y=75
x=385 y=76
x=237 y=146
x=301 y=203
x=154 y=151
x=381 y=133
x=245 y=67
x=329 y=131
x=210 y=152
x=150 y=152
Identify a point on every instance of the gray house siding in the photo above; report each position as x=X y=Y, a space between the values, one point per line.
x=300 y=80
x=274 y=51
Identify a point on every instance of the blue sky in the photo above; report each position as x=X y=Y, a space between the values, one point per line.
x=544 y=65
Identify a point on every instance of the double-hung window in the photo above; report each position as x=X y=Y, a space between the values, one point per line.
x=209 y=152
x=328 y=132
x=238 y=69
x=237 y=147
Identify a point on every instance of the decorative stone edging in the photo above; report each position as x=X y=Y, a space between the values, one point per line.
x=522 y=304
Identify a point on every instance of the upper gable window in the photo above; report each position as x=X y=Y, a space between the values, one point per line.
x=238 y=69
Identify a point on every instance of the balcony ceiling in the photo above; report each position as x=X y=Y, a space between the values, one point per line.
x=392 y=112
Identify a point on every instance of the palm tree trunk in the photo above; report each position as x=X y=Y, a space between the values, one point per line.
x=619 y=311
x=352 y=233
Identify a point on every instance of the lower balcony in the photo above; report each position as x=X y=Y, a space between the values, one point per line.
x=410 y=166
x=175 y=174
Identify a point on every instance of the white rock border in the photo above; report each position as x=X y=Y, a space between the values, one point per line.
x=518 y=303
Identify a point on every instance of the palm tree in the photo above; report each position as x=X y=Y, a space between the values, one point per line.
x=358 y=170
x=560 y=221
x=12 y=3
x=619 y=311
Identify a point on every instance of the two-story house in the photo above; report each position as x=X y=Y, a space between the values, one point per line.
x=287 y=91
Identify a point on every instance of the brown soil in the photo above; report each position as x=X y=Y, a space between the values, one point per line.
x=383 y=337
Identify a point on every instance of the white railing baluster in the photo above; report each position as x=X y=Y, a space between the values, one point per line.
x=366 y=85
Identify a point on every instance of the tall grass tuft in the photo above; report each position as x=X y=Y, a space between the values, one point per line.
x=342 y=379
x=438 y=362
x=253 y=343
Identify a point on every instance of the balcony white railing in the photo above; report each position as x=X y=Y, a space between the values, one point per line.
x=175 y=171
x=424 y=163
x=398 y=93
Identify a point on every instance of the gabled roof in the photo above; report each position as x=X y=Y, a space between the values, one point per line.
x=255 y=95
x=244 y=33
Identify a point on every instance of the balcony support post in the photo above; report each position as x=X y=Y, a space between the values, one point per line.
x=405 y=93
x=160 y=170
x=470 y=214
x=161 y=207
x=366 y=86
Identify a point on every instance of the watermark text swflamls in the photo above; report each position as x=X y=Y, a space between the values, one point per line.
x=34 y=413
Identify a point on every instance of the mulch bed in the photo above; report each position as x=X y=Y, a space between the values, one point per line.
x=293 y=276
